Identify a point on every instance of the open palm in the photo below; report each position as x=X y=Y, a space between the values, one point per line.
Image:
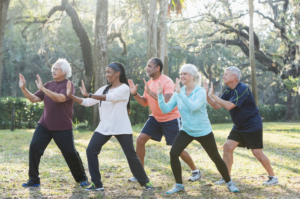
x=133 y=88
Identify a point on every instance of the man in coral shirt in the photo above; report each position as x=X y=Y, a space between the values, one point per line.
x=159 y=124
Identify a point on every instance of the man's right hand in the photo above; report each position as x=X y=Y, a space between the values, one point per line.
x=133 y=88
x=22 y=81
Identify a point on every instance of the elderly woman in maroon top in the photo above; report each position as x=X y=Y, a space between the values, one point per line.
x=56 y=123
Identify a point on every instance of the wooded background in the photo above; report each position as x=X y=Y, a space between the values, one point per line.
x=209 y=34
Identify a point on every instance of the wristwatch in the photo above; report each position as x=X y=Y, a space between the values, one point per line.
x=90 y=95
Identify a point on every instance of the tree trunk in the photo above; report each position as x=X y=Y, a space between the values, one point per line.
x=162 y=28
x=100 y=49
x=292 y=106
x=87 y=56
x=152 y=30
x=252 y=54
x=3 y=14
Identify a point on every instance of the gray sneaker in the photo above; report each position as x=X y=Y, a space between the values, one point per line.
x=272 y=181
x=196 y=176
x=231 y=187
x=177 y=188
x=132 y=179
x=220 y=182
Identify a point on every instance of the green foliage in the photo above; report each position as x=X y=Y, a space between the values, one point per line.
x=27 y=114
x=292 y=83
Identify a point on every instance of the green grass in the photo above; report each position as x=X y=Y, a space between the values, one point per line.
x=281 y=143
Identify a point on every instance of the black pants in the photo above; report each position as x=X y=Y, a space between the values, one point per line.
x=208 y=143
x=126 y=142
x=65 y=142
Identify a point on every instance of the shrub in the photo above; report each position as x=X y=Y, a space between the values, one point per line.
x=27 y=114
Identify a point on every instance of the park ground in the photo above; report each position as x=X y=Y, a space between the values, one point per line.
x=281 y=145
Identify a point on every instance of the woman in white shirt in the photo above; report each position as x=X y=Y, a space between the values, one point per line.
x=114 y=103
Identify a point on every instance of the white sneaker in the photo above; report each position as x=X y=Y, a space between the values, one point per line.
x=272 y=181
x=231 y=187
x=221 y=182
x=196 y=176
x=132 y=179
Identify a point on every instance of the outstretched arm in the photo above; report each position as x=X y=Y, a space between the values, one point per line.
x=210 y=101
x=57 y=97
x=218 y=101
x=32 y=98
x=170 y=105
x=133 y=90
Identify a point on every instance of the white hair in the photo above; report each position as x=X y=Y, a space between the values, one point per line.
x=234 y=70
x=193 y=71
x=65 y=67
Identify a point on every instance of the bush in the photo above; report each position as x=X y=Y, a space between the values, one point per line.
x=27 y=114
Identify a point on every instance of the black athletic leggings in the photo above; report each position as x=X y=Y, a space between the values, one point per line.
x=126 y=142
x=208 y=143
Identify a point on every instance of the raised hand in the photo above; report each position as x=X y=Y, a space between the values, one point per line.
x=22 y=81
x=211 y=90
x=133 y=88
x=69 y=88
x=39 y=83
x=147 y=89
x=83 y=89
x=159 y=88
x=205 y=86
x=177 y=85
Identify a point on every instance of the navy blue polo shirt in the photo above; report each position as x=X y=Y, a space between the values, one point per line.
x=245 y=116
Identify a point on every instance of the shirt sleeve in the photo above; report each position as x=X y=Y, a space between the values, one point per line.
x=90 y=101
x=120 y=94
x=197 y=103
x=167 y=107
x=239 y=96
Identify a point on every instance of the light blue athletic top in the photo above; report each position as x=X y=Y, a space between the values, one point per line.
x=192 y=109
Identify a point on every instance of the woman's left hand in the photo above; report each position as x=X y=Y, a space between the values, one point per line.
x=177 y=85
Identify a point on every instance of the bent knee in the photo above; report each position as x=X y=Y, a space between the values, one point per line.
x=142 y=139
x=174 y=153
x=228 y=148
x=258 y=153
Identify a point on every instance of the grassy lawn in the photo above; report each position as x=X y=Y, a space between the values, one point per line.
x=281 y=143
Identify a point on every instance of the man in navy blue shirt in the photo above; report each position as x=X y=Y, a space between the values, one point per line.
x=247 y=130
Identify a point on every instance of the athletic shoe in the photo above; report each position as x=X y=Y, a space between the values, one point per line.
x=93 y=187
x=132 y=179
x=84 y=183
x=176 y=189
x=220 y=182
x=272 y=181
x=196 y=176
x=30 y=183
x=149 y=186
x=231 y=187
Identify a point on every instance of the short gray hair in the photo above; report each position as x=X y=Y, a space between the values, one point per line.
x=65 y=67
x=191 y=69
x=234 y=70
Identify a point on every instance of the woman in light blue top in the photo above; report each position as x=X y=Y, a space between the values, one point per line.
x=191 y=103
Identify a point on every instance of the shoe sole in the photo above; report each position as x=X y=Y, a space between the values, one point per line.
x=234 y=191
x=194 y=180
x=35 y=185
x=84 y=185
x=175 y=192
x=97 y=189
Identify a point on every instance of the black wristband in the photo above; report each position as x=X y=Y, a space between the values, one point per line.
x=135 y=94
x=90 y=95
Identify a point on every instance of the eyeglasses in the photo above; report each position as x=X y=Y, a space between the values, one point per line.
x=55 y=69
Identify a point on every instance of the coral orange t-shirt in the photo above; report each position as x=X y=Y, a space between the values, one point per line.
x=168 y=87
